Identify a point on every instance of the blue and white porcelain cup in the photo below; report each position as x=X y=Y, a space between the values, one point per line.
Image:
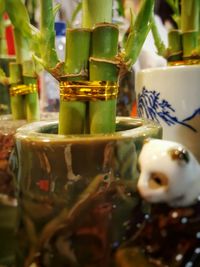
x=171 y=96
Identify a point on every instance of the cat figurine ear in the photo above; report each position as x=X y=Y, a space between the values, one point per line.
x=169 y=173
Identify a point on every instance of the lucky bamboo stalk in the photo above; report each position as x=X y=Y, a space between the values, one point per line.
x=103 y=67
x=72 y=115
x=22 y=36
x=105 y=64
x=23 y=105
x=95 y=11
x=184 y=45
x=31 y=100
x=3 y=45
x=16 y=101
x=190 y=27
x=98 y=122
x=101 y=113
x=175 y=49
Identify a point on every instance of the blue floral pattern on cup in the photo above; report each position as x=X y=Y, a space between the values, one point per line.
x=152 y=106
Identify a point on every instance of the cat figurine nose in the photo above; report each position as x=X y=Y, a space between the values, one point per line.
x=169 y=173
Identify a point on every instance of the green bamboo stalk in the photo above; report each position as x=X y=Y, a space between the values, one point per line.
x=31 y=100
x=22 y=35
x=16 y=101
x=103 y=70
x=189 y=15
x=190 y=27
x=72 y=115
x=95 y=11
x=105 y=40
x=175 y=49
x=77 y=51
x=101 y=113
x=139 y=32
x=3 y=45
x=103 y=67
x=4 y=85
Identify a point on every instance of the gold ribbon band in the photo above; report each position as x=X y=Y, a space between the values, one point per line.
x=23 y=89
x=88 y=91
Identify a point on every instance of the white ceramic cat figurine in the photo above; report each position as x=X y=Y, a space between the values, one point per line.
x=169 y=174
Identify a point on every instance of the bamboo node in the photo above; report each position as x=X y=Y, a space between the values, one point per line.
x=88 y=91
x=23 y=89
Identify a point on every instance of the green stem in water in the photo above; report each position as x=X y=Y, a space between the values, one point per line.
x=72 y=113
x=96 y=11
x=190 y=27
x=16 y=101
x=139 y=32
x=32 y=99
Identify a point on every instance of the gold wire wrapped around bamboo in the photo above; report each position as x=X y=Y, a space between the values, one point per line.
x=23 y=89
x=88 y=91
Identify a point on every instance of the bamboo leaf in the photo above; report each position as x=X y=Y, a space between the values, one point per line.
x=74 y=14
x=35 y=41
x=161 y=49
x=132 y=22
x=56 y=9
x=138 y=33
x=47 y=34
x=19 y=16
